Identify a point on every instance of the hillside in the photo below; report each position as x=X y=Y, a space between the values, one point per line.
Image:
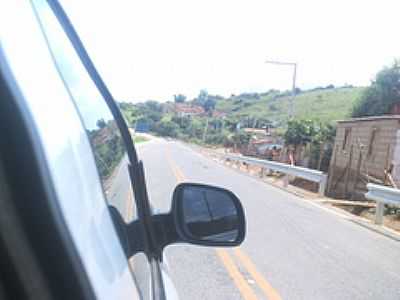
x=322 y=104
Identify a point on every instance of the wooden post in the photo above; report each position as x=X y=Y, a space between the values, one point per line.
x=347 y=175
x=357 y=172
x=380 y=208
x=387 y=165
x=285 y=181
x=205 y=130
x=262 y=171
x=321 y=153
x=331 y=170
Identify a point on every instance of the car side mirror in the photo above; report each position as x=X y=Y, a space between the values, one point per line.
x=200 y=214
x=207 y=215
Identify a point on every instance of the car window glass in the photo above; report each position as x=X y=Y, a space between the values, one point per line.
x=105 y=137
x=107 y=144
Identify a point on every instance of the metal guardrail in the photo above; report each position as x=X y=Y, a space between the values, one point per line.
x=382 y=195
x=308 y=174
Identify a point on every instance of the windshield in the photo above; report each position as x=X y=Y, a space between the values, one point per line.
x=293 y=106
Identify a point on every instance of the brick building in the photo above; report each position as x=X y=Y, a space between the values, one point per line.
x=366 y=150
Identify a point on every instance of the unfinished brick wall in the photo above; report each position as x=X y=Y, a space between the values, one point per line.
x=363 y=151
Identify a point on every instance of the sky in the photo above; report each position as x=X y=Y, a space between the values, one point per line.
x=155 y=49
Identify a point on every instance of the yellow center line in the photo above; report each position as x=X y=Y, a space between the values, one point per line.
x=229 y=264
x=268 y=290
x=242 y=285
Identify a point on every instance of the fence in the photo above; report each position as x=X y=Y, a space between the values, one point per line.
x=305 y=173
x=382 y=195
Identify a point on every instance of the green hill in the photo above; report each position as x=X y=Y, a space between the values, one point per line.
x=320 y=104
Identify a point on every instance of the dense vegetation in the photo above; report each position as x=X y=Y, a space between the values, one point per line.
x=313 y=127
x=317 y=136
x=258 y=110
x=108 y=146
x=380 y=96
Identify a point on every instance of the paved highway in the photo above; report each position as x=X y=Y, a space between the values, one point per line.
x=293 y=250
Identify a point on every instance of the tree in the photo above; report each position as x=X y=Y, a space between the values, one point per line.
x=322 y=145
x=299 y=132
x=153 y=106
x=209 y=105
x=380 y=96
x=241 y=138
x=179 y=98
x=101 y=123
x=201 y=98
x=166 y=128
x=231 y=123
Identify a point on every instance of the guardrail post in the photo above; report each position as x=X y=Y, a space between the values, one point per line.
x=262 y=171
x=286 y=180
x=322 y=186
x=379 y=212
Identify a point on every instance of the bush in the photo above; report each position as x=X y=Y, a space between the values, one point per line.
x=380 y=96
x=299 y=132
x=318 y=135
x=215 y=139
x=273 y=107
x=241 y=138
x=166 y=128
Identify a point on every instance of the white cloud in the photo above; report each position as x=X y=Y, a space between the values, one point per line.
x=154 y=49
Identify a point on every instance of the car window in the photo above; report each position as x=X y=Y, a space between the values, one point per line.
x=108 y=147
x=105 y=137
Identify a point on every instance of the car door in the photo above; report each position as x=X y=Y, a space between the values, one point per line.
x=84 y=146
x=95 y=171
x=108 y=146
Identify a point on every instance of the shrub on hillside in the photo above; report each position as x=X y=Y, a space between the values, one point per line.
x=166 y=128
x=380 y=96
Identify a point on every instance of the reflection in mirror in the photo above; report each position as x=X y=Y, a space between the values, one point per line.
x=209 y=214
x=108 y=146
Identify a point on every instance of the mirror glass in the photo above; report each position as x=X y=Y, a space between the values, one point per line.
x=209 y=214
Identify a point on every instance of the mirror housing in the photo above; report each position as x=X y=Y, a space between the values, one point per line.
x=200 y=214
x=207 y=215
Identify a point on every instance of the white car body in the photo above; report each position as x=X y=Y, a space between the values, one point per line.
x=68 y=154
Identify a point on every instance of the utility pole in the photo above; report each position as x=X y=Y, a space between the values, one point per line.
x=291 y=100
x=205 y=130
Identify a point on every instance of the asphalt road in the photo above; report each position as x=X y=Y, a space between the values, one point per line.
x=293 y=250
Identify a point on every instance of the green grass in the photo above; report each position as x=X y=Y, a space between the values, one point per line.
x=326 y=105
x=140 y=139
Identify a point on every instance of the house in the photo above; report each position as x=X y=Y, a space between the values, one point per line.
x=259 y=132
x=365 y=150
x=218 y=114
x=185 y=110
